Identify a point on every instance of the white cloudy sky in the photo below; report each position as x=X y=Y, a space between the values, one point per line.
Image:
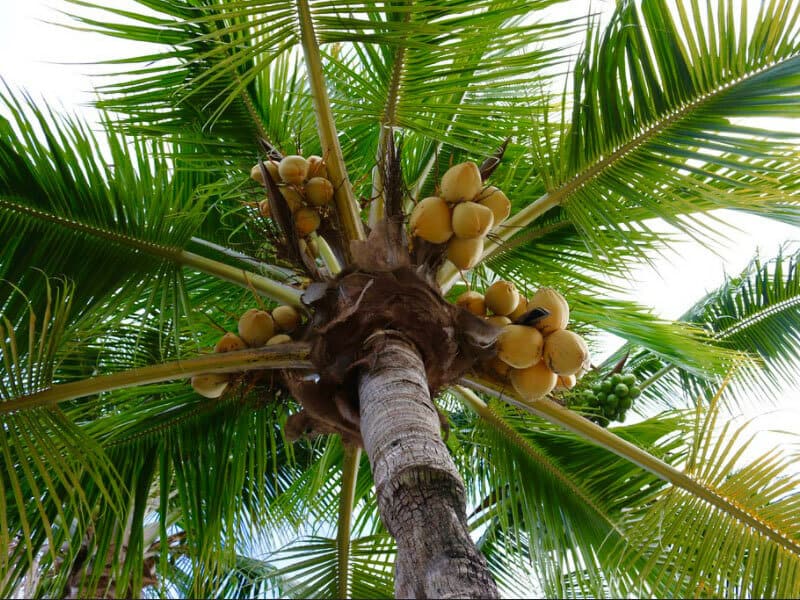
x=54 y=63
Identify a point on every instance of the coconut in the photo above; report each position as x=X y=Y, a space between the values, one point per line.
x=565 y=352
x=473 y=302
x=306 y=220
x=293 y=198
x=465 y=254
x=430 y=220
x=256 y=327
x=533 y=382
x=566 y=382
x=496 y=365
x=256 y=174
x=286 y=317
x=555 y=304
x=502 y=297
x=319 y=191
x=521 y=309
x=264 y=209
x=293 y=169
x=272 y=167
x=471 y=220
x=497 y=202
x=210 y=385
x=498 y=320
x=519 y=346
x=230 y=342
x=461 y=182
x=281 y=338
x=316 y=166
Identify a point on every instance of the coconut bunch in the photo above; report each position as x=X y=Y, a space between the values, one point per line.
x=609 y=398
x=304 y=184
x=463 y=213
x=256 y=328
x=535 y=350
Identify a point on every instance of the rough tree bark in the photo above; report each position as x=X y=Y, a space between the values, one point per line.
x=420 y=493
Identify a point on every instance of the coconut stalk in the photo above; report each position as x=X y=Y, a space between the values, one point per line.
x=346 y=205
x=283 y=356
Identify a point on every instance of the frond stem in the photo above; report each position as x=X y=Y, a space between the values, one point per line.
x=352 y=458
x=593 y=433
x=280 y=356
x=346 y=205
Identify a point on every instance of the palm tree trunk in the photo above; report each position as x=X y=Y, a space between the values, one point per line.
x=420 y=494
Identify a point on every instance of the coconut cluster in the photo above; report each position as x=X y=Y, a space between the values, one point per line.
x=609 y=398
x=304 y=184
x=461 y=215
x=536 y=358
x=256 y=328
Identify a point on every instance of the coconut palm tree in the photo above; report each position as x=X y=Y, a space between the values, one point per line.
x=373 y=453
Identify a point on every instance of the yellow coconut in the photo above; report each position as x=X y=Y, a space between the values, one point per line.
x=210 y=385
x=256 y=174
x=281 y=338
x=519 y=346
x=465 y=254
x=319 y=191
x=306 y=220
x=230 y=342
x=533 y=382
x=498 y=320
x=316 y=166
x=293 y=169
x=294 y=199
x=264 y=209
x=565 y=352
x=502 y=297
x=286 y=317
x=471 y=220
x=271 y=167
x=256 y=327
x=430 y=220
x=497 y=366
x=497 y=202
x=473 y=302
x=566 y=382
x=521 y=309
x=555 y=304
x=461 y=182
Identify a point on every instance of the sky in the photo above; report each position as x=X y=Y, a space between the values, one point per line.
x=55 y=63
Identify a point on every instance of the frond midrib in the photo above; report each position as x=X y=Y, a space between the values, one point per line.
x=757 y=317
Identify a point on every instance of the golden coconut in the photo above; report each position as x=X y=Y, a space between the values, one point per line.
x=555 y=304
x=256 y=174
x=471 y=220
x=294 y=199
x=533 y=382
x=286 y=317
x=473 y=302
x=281 y=338
x=230 y=342
x=496 y=365
x=430 y=220
x=502 y=297
x=319 y=191
x=521 y=308
x=264 y=209
x=256 y=327
x=465 y=254
x=461 y=182
x=566 y=382
x=306 y=220
x=519 y=346
x=271 y=167
x=210 y=385
x=565 y=352
x=316 y=166
x=497 y=202
x=293 y=169
x=498 y=320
